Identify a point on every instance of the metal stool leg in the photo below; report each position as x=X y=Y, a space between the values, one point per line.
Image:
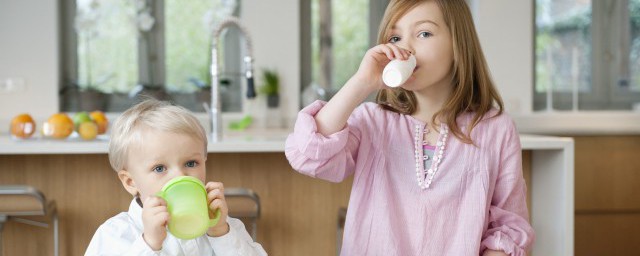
x=3 y=219
x=254 y=230
x=56 y=246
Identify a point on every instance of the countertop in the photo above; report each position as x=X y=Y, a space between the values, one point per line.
x=597 y=123
x=268 y=141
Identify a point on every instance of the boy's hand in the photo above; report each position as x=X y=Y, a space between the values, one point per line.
x=154 y=219
x=215 y=198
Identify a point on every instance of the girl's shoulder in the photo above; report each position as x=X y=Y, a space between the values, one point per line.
x=374 y=116
x=494 y=118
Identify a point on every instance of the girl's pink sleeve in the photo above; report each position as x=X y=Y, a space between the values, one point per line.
x=509 y=229
x=330 y=157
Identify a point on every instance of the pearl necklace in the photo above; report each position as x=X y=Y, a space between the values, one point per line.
x=424 y=179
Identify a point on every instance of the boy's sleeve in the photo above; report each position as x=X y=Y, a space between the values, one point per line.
x=114 y=238
x=509 y=229
x=236 y=242
x=330 y=157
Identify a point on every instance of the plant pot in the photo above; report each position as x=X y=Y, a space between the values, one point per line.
x=273 y=101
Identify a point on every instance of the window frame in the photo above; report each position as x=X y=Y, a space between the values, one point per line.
x=376 y=12
x=150 y=46
x=151 y=59
x=605 y=94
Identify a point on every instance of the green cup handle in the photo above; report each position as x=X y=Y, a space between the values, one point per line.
x=216 y=218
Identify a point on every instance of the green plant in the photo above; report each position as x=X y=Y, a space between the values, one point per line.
x=270 y=83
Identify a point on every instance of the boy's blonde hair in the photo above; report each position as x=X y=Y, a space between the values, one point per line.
x=155 y=114
x=473 y=88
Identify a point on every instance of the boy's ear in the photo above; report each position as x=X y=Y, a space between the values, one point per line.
x=127 y=182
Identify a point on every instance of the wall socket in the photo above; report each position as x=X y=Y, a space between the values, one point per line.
x=12 y=85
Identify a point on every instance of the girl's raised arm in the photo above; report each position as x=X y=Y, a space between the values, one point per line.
x=333 y=116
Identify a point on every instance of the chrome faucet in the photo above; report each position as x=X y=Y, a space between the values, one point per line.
x=216 y=106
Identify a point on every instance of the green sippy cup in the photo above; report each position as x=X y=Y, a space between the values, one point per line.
x=187 y=205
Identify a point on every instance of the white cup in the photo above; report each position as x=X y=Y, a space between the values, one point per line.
x=398 y=71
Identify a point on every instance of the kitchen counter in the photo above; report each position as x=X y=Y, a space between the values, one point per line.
x=234 y=142
x=573 y=123
x=267 y=141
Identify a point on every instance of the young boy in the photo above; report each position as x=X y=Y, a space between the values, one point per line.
x=151 y=143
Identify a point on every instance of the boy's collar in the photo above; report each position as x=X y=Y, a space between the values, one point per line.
x=135 y=212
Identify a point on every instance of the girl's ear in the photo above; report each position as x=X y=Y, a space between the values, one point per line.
x=127 y=182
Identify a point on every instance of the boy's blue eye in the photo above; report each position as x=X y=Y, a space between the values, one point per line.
x=191 y=164
x=159 y=169
x=394 y=39
x=425 y=34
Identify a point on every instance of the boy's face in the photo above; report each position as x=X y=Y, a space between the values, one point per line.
x=161 y=157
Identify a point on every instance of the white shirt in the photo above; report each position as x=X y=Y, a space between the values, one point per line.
x=122 y=235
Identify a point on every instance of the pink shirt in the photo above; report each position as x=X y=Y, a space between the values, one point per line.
x=476 y=199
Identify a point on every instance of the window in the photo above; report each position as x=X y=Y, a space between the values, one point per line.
x=348 y=35
x=587 y=54
x=335 y=36
x=113 y=48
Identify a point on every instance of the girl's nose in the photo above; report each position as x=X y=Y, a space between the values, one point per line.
x=408 y=48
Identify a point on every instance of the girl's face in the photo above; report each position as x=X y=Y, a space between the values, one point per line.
x=161 y=157
x=422 y=30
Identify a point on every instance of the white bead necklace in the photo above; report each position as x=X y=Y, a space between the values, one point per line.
x=424 y=179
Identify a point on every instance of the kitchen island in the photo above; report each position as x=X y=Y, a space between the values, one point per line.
x=299 y=214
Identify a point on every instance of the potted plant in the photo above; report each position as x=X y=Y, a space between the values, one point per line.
x=270 y=87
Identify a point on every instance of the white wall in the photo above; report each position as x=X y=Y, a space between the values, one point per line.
x=29 y=43
x=275 y=30
x=505 y=28
x=29 y=50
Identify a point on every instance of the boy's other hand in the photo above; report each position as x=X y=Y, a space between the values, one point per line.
x=215 y=198
x=155 y=218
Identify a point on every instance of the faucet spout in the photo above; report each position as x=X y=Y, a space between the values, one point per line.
x=216 y=104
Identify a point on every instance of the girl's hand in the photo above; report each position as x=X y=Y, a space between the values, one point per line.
x=494 y=253
x=374 y=61
x=154 y=219
x=215 y=198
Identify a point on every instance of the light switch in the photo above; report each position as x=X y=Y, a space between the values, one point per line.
x=12 y=85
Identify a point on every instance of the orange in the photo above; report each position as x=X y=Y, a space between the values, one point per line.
x=23 y=126
x=88 y=130
x=58 y=126
x=101 y=120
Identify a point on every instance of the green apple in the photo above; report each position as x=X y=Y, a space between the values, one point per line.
x=79 y=118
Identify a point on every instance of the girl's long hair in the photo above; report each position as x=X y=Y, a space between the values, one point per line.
x=473 y=89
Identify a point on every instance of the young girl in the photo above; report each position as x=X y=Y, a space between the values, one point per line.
x=436 y=164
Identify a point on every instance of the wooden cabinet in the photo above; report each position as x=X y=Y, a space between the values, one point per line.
x=607 y=183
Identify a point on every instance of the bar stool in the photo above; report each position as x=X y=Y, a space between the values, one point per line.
x=244 y=204
x=27 y=205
